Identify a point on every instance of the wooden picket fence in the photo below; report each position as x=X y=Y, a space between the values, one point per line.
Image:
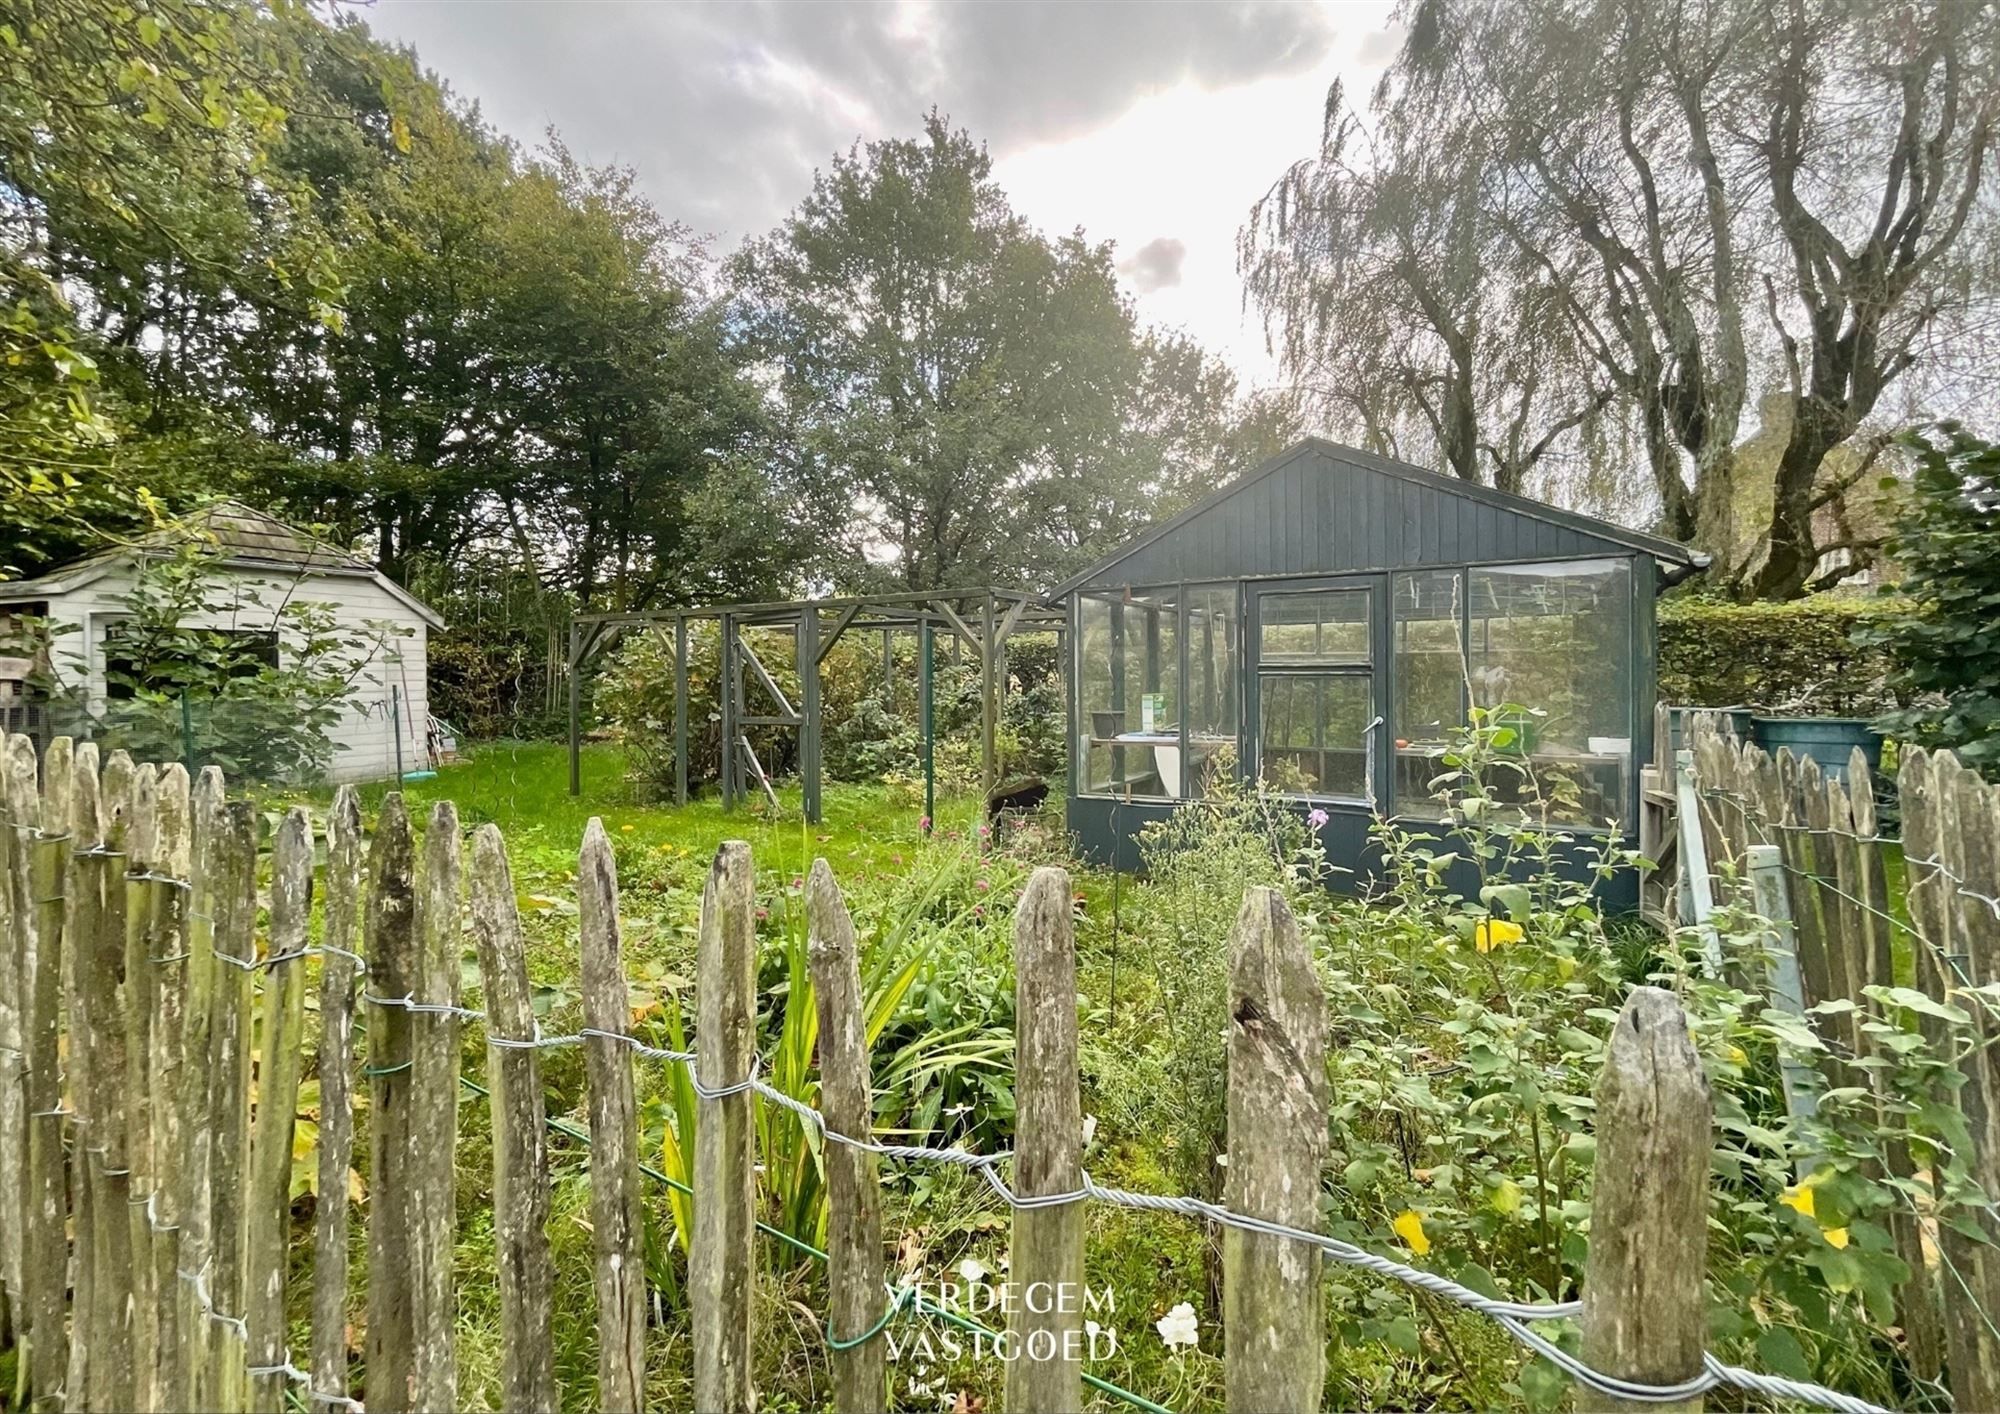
x=153 y=1032
x=1800 y=851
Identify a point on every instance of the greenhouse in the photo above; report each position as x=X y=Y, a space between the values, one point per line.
x=1325 y=626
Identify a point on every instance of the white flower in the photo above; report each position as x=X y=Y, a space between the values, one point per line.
x=1089 y=1129
x=1222 y=1160
x=1178 y=1326
x=972 y=1269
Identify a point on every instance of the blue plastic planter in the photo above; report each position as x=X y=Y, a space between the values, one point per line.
x=1828 y=740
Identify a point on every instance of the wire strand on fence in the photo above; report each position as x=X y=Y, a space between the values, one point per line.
x=1512 y=1316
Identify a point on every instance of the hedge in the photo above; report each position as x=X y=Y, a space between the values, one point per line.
x=1796 y=658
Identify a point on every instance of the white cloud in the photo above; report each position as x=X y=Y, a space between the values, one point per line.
x=1152 y=125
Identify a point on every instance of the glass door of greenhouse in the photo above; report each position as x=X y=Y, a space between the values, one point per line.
x=1315 y=705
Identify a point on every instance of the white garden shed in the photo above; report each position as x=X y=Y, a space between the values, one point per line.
x=256 y=563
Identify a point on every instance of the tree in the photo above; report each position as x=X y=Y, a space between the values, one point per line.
x=135 y=147
x=1670 y=204
x=972 y=399
x=1946 y=654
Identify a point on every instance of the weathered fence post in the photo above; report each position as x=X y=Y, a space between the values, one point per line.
x=339 y=937
x=166 y=955
x=854 y=1195
x=1046 y=1263
x=1953 y=912
x=520 y=1150
x=43 y=813
x=617 y=1219
x=15 y=911
x=101 y=974
x=277 y=1108
x=1644 y=1313
x=392 y=966
x=196 y=1098
x=723 y=1268
x=1274 y=1333
x=434 y=1116
x=137 y=1005
x=83 y=901
x=229 y=1079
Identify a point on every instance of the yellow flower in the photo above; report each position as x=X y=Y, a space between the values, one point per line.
x=1737 y=1056
x=1799 y=1197
x=1835 y=1236
x=1495 y=933
x=628 y=828
x=1410 y=1227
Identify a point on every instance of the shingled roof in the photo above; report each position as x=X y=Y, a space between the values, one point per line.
x=240 y=537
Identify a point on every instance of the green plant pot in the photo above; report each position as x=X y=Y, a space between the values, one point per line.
x=1828 y=740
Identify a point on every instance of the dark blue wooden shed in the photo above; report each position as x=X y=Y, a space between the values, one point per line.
x=1324 y=624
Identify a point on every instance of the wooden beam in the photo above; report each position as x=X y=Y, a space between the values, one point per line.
x=840 y=625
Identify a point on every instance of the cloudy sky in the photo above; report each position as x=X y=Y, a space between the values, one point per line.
x=1151 y=124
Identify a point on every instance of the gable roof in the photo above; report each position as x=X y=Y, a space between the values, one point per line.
x=240 y=537
x=1322 y=507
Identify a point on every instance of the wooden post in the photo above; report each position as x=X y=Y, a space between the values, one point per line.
x=1644 y=1314
x=727 y=687
x=520 y=1152
x=434 y=1116
x=1929 y=818
x=166 y=942
x=270 y=1196
x=137 y=1004
x=1274 y=1332
x=1965 y=836
x=681 y=710
x=44 y=814
x=229 y=1080
x=809 y=712
x=575 y=709
x=101 y=986
x=16 y=911
x=392 y=968
x=82 y=914
x=340 y=935
x=1047 y=1254
x=854 y=1194
x=617 y=1220
x=722 y=1269
x=989 y=706
x=195 y=1099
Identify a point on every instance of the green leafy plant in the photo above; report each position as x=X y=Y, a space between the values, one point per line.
x=197 y=667
x=1945 y=656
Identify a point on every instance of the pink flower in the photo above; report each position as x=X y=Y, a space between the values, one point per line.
x=985 y=830
x=984 y=885
x=1316 y=818
x=924 y=824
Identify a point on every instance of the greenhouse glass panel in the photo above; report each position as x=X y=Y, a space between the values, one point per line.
x=1128 y=677
x=1549 y=659
x=1214 y=688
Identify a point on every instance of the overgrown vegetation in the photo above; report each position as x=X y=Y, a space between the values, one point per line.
x=1471 y=999
x=1940 y=639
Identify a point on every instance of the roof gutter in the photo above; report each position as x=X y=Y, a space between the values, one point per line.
x=1671 y=575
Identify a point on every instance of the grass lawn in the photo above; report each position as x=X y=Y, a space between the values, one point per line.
x=523 y=787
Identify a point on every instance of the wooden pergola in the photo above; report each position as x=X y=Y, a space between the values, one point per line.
x=983 y=619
